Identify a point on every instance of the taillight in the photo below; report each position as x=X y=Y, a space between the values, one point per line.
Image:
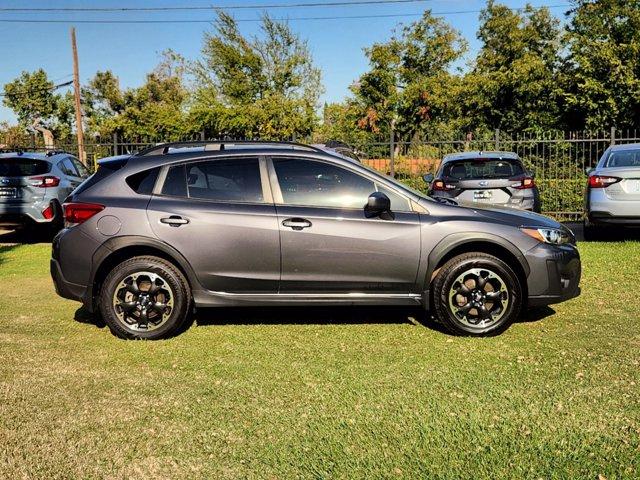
x=48 y=213
x=44 y=181
x=440 y=185
x=76 y=213
x=599 y=181
x=526 y=182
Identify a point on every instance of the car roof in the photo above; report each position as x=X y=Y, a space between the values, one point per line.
x=479 y=154
x=625 y=146
x=49 y=157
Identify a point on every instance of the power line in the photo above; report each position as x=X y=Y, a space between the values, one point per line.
x=208 y=7
x=284 y=19
x=37 y=90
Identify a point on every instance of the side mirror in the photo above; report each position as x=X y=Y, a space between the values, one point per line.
x=377 y=204
x=428 y=178
x=588 y=170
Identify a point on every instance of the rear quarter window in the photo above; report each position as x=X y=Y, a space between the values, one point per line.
x=143 y=182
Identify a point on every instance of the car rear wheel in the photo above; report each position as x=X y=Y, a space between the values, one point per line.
x=145 y=298
x=476 y=294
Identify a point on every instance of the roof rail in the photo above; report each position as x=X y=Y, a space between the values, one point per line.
x=217 y=145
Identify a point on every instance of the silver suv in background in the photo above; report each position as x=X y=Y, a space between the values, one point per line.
x=613 y=190
x=33 y=187
x=495 y=178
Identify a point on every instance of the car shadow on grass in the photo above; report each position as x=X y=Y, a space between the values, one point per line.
x=614 y=233
x=25 y=236
x=350 y=315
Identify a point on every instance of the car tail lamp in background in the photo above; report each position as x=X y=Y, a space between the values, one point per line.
x=524 y=183
x=599 y=181
x=76 y=212
x=440 y=186
x=49 y=212
x=44 y=181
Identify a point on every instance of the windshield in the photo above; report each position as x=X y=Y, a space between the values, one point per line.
x=624 y=158
x=23 y=167
x=482 y=168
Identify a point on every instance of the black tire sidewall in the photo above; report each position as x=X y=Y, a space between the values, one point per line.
x=169 y=274
x=452 y=270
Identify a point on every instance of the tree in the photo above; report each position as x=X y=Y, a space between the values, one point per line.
x=514 y=82
x=408 y=87
x=265 y=86
x=33 y=99
x=603 y=67
x=156 y=109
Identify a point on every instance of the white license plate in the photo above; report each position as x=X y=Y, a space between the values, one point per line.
x=6 y=192
x=634 y=186
x=482 y=195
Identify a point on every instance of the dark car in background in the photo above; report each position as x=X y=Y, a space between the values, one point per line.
x=149 y=237
x=485 y=177
x=33 y=187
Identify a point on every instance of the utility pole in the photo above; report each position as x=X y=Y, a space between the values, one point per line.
x=76 y=91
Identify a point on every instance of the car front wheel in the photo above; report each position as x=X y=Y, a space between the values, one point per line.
x=145 y=298
x=476 y=294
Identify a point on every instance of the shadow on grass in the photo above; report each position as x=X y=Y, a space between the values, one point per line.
x=25 y=235
x=614 y=233
x=207 y=317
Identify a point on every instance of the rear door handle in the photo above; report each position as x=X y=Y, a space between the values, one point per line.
x=174 y=220
x=296 y=223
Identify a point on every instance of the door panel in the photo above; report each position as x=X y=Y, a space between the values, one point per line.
x=343 y=251
x=232 y=247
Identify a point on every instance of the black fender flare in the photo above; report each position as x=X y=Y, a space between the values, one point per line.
x=114 y=245
x=455 y=240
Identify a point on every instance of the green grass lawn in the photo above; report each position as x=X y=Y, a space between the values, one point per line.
x=339 y=394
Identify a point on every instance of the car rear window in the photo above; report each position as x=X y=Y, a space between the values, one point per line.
x=624 y=158
x=483 y=168
x=23 y=167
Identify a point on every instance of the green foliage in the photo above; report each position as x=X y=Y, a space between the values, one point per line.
x=32 y=98
x=263 y=86
x=408 y=86
x=513 y=83
x=602 y=78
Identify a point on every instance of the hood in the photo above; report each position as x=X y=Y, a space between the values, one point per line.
x=495 y=214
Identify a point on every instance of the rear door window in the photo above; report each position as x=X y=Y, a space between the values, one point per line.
x=232 y=180
x=23 y=167
x=80 y=168
x=482 y=168
x=68 y=168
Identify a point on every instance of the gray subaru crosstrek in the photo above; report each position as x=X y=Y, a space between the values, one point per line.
x=149 y=237
x=34 y=185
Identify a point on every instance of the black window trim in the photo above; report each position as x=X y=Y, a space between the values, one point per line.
x=279 y=199
x=264 y=182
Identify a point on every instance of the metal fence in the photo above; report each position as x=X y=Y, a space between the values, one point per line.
x=558 y=159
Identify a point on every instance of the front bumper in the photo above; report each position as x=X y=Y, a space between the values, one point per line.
x=555 y=274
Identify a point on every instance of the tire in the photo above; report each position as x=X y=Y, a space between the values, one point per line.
x=476 y=277
x=154 y=312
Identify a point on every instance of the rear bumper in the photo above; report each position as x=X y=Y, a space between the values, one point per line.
x=63 y=287
x=605 y=218
x=555 y=274
x=21 y=214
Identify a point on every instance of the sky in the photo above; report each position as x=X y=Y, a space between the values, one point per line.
x=133 y=50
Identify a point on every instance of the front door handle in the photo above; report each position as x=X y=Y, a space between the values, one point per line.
x=296 y=223
x=174 y=220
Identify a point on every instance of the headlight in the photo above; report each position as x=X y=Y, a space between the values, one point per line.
x=554 y=236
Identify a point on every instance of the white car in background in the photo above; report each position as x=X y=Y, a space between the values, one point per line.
x=613 y=190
